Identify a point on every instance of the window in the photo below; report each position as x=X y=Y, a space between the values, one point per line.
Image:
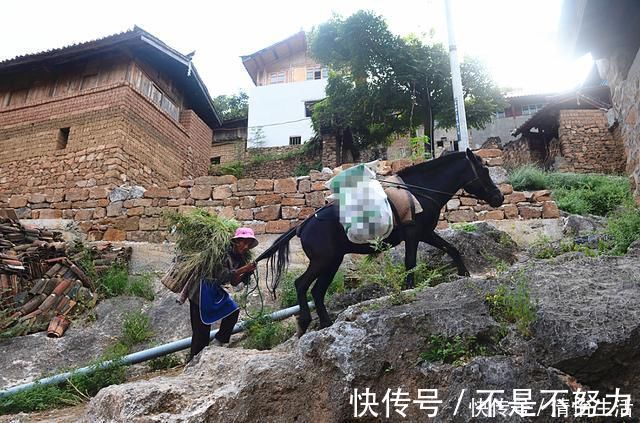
x=276 y=78
x=215 y=160
x=308 y=108
x=500 y=115
x=295 y=140
x=456 y=147
x=317 y=72
x=442 y=141
x=63 y=138
x=531 y=109
x=157 y=96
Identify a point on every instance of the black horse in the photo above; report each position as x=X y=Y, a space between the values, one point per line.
x=325 y=243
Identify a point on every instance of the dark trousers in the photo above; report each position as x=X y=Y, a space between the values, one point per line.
x=200 y=331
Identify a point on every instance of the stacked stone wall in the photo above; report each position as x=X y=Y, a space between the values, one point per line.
x=622 y=71
x=105 y=212
x=587 y=144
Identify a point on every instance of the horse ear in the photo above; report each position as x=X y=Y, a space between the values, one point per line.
x=470 y=154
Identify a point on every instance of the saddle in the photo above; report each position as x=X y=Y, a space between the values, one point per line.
x=406 y=205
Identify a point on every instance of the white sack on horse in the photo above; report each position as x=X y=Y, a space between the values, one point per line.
x=365 y=212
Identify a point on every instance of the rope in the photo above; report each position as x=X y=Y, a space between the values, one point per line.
x=245 y=296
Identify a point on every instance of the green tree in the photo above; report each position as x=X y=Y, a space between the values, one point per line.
x=381 y=84
x=234 y=106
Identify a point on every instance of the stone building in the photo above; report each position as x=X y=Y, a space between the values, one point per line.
x=610 y=32
x=126 y=108
x=570 y=134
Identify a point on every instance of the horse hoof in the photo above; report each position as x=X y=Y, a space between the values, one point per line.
x=325 y=325
x=302 y=327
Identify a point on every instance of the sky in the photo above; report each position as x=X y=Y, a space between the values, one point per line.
x=516 y=39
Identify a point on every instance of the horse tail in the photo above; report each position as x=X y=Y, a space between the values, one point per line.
x=277 y=256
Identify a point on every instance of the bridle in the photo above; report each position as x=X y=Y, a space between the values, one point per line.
x=421 y=190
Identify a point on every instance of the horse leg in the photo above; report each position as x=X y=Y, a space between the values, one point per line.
x=302 y=285
x=435 y=240
x=410 y=258
x=320 y=289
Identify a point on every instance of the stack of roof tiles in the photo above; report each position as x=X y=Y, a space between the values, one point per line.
x=38 y=281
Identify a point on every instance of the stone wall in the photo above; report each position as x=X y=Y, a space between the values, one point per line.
x=266 y=205
x=525 y=150
x=586 y=143
x=622 y=71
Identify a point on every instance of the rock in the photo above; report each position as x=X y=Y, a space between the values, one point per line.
x=479 y=249
x=634 y=249
x=582 y=225
x=119 y=194
x=136 y=191
x=377 y=345
x=498 y=175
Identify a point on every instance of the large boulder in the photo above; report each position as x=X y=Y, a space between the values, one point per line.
x=481 y=249
x=585 y=335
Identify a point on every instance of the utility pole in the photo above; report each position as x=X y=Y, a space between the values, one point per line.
x=456 y=82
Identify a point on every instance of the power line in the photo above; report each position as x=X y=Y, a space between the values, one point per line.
x=261 y=126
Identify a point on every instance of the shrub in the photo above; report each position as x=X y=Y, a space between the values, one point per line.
x=623 y=228
x=576 y=193
x=528 y=177
x=234 y=168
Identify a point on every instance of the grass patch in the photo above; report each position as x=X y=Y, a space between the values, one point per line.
x=623 y=228
x=116 y=281
x=264 y=333
x=457 y=350
x=136 y=329
x=165 y=362
x=576 y=193
x=464 y=226
x=74 y=391
x=513 y=306
x=236 y=169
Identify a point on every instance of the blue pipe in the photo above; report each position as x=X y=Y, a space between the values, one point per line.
x=140 y=356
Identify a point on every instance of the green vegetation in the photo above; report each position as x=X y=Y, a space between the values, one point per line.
x=264 y=333
x=513 y=306
x=576 y=193
x=623 y=228
x=76 y=390
x=381 y=269
x=236 y=169
x=116 y=281
x=165 y=362
x=456 y=350
x=546 y=250
x=464 y=226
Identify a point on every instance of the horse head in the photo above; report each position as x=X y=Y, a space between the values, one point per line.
x=480 y=185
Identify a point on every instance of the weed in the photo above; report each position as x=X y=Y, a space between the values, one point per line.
x=264 y=333
x=168 y=361
x=456 y=350
x=623 y=228
x=113 y=282
x=513 y=306
x=464 y=226
x=576 y=193
x=76 y=390
x=141 y=286
x=136 y=329
x=498 y=264
x=236 y=169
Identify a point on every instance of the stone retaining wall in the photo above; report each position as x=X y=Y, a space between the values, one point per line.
x=266 y=205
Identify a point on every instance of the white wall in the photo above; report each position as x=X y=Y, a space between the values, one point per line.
x=279 y=110
x=499 y=127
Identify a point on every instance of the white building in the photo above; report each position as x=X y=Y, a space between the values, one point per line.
x=287 y=82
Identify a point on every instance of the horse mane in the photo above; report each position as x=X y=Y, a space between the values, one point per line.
x=432 y=165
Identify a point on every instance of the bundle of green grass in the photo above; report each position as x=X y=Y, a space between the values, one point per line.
x=202 y=241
